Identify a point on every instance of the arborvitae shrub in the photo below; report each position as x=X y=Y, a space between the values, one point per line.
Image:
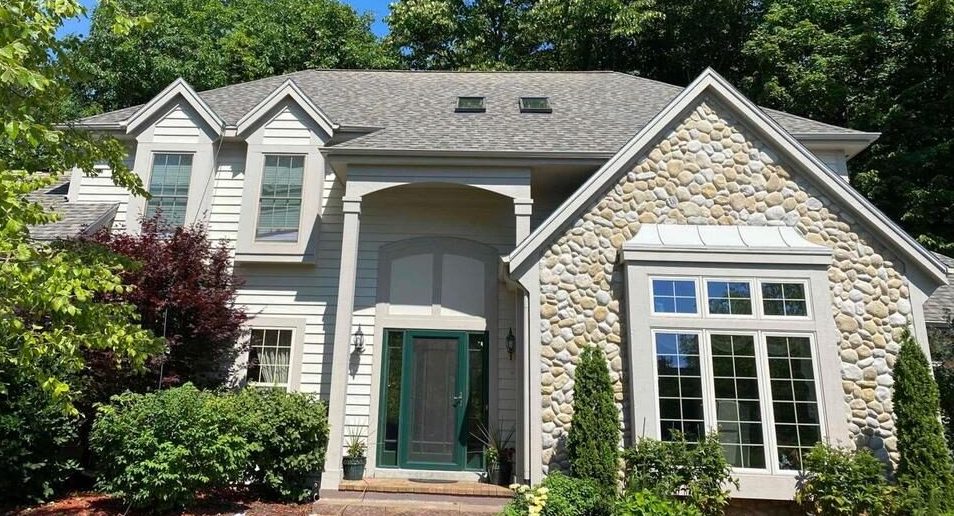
x=593 y=440
x=925 y=472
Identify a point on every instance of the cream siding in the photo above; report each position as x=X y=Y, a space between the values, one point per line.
x=176 y=126
x=286 y=129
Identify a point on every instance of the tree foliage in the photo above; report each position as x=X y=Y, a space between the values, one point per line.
x=926 y=470
x=593 y=440
x=50 y=295
x=183 y=289
x=212 y=43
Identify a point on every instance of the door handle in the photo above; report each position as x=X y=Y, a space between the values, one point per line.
x=457 y=399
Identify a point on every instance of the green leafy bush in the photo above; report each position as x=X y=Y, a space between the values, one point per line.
x=925 y=470
x=697 y=472
x=34 y=432
x=287 y=435
x=158 y=450
x=642 y=502
x=843 y=481
x=593 y=440
x=563 y=496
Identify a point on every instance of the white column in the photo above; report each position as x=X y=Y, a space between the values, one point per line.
x=342 y=344
x=522 y=209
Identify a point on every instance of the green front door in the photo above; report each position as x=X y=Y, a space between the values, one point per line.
x=433 y=397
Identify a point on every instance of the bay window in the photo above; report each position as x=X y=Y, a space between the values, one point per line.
x=731 y=332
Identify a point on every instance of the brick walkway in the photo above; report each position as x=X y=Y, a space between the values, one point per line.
x=386 y=497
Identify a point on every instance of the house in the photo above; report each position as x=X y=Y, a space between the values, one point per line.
x=939 y=308
x=75 y=219
x=431 y=250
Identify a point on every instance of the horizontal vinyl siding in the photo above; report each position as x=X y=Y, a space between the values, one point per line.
x=176 y=126
x=227 y=193
x=286 y=129
x=100 y=189
x=301 y=291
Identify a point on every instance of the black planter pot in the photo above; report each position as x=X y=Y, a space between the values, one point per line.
x=506 y=473
x=493 y=473
x=353 y=467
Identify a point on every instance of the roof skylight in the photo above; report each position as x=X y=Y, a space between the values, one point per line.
x=535 y=105
x=470 y=105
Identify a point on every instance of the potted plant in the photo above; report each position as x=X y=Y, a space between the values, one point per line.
x=498 y=455
x=355 y=458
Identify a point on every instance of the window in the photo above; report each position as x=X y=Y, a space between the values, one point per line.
x=794 y=402
x=470 y=105
x=535 y=105
x=280 y=201
x=673 y=296
x=754 y=385
x=739 y=384
x=784 y=299
x=729 y=297
x=269 y=357
x=680 y=385
x=169 y=187
x=738 y=411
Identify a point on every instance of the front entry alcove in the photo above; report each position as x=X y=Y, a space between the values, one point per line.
x=438 y=298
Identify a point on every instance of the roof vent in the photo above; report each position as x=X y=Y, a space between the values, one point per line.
x=535 y=105
x=470 y=105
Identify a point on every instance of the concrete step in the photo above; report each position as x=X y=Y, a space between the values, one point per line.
x=407 y=504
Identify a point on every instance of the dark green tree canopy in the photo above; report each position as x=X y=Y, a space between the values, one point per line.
x=212 y=43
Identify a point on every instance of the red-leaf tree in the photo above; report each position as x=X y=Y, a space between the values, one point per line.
x=184 y=290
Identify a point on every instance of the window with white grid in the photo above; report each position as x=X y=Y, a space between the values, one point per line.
x=279 y=212
x=169 y=187
x=752 y=380
x=269 y=356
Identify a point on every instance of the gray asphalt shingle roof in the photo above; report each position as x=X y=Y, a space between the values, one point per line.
x=939 y=308
x=75 y=219
x=592 y=111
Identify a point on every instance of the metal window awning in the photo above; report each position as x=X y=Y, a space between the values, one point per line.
x=724 y=244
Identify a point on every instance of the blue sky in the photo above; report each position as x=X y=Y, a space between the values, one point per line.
x=378 y=8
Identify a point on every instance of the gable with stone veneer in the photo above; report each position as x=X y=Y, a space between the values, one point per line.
x=709 y=169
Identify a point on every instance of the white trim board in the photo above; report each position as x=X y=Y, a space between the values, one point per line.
x=711 y=83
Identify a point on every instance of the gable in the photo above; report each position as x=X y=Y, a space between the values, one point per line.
x=286 y=128
x=777 y=144
x=183 y=96
x=176 y=126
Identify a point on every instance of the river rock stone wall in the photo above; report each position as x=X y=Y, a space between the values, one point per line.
x=710 y=170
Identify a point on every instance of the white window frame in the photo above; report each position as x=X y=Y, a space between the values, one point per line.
x=752 y=296
x=698 y=297
x=808 y=299
x=297 y=327
x=147 y=183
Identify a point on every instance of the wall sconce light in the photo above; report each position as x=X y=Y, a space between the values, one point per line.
x=358 y=340
x=511 y=343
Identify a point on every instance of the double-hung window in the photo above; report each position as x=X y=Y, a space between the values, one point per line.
x=269 y=356
x=169 y=187
x=279 y=210
x=753 y=382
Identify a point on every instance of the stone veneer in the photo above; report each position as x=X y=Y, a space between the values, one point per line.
x=711 y=170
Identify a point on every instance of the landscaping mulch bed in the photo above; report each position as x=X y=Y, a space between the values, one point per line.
x=213 y=504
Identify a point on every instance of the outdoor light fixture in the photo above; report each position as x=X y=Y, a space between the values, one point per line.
x=358 y=340
x=511 y=343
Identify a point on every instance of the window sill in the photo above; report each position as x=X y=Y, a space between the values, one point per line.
x=273 y=257
x=766 y=486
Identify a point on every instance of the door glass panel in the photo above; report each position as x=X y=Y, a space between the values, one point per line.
x=432 y=429
x=476 y=400
x=392 y=399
